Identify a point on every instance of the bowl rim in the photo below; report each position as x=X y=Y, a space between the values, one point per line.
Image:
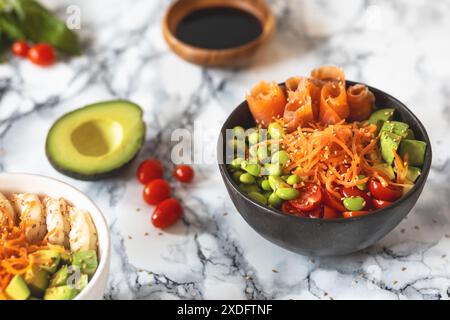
x=417 y=185
x=104 y=243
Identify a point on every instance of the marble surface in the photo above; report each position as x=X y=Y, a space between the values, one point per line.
x=401 y=47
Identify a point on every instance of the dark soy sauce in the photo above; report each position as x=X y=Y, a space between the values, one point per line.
x=218 y=28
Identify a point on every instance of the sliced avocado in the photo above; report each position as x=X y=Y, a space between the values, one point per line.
x=415 y=150
x=389 y=142
x=37 y=280
x=60 y=293
x=413 y=173
x=82 y=282
x=17 y=289
x=47 y=260
x=96 y=141
x=381 y=115
x=386 y=169
x=410 y=135
x=397 y=127
x=60 y=277
x=86 y=260
x=408 y=186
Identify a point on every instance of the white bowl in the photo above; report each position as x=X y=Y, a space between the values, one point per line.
x=12 y=182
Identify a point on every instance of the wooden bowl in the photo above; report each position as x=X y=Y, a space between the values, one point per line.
x=231 y=57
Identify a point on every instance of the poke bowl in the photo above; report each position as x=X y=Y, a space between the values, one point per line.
x=56 y=259
x=312 y=232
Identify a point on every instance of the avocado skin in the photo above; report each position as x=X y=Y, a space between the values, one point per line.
x=98 y=176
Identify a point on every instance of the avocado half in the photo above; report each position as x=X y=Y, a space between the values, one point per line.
x=96 y=141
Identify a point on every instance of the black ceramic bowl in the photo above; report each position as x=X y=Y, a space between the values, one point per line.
x=319 y=237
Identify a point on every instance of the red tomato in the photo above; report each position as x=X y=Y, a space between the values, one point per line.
x=167 y=213
x=332 y=202
x=42 y=54
x=329 y=213
x=355 y=192
x=309 y=199
x=184 y=173
x=315 y=214
x=352 y=214
x=149 y=170
x=380 y=204
x=388 y=193
x=156 y=191
x=20 y=48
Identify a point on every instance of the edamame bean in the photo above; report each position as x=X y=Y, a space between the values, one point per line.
x=253 y=151
x=363 y=186
x=265 y=185
x=253 y=138
x=237 y=145
x=247 y=178
x=354 y=203
x=237 y=175
x=258 y=197
x=284 y=178
x=273 y=169
x=247 y=188
x=239 y=132
x=276 y=183
x=253 y=169
x=236 y=163
x=287 y=193
x=276 y=131
x=274 y=200
x=280 y=157
x=262 y=154
x=293 y=179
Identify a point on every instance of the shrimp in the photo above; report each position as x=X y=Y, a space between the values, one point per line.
x=7 y=214
x=57 y=218
x=32 y=216
x=83 y=235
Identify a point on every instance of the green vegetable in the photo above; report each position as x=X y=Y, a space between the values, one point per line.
x=274 y=200
x=362 y=186
x=272 y=169
x=386 y=169
x=277 y=182
x=239 y=132
x=247 y=178
x=293 y=179
x=287 y=193
x=247 y=188
x=29 y=20
x=258 y=197
x=280 y=157
x=415 y=150
x=275 y=130
x=17 y=289
x=413 y=174
x=397 y=127
x=253 y=138
x=262 y=154
x=237 y=175
x=253 y=169
x=354 y=203
x=265 y=185
x=236 y=163
x=86 y=260
x=389 y=142
x=381 y=115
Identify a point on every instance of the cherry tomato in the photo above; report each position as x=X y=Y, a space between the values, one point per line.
x=355 y=192
x=20 y=48
x=167 y=213
x=388 y=193
x=329 y=213
x=184 y=173
x=42 y=54
x=309 y=199
x=332 y=202
x=149 y=170
x=156 y=191
x=352 y=214
x=287 y=207
x=315 y=214
x=380 y=204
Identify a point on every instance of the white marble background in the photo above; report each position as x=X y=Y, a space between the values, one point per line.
x=401 y=47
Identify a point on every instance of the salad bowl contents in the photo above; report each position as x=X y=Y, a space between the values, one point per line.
x=51 y=248
x=349 y=158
